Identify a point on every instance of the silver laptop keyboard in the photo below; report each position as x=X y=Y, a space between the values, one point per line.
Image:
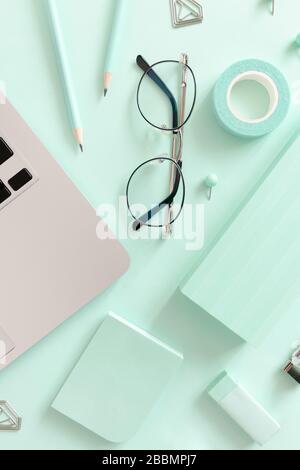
x=16 y=175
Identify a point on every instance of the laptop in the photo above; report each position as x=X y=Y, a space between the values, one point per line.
x=52 y=262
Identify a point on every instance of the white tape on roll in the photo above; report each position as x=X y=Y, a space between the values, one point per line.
x=266 y=75
x=267 y=82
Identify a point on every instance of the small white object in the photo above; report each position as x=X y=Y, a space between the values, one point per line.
x=243 y=408
x=267 y=82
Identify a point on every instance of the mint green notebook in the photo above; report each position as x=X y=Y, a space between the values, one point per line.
x=118 y=380
x=251 y=276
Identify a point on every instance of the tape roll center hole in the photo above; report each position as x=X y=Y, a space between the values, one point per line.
x=252 y=97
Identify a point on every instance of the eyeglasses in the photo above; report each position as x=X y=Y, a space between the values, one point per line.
x=156 y=189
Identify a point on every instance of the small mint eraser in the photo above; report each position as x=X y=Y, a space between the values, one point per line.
x=243 y=408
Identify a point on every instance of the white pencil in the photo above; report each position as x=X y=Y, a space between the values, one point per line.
x=64 y=69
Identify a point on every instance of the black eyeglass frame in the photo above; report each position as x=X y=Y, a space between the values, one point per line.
x=148 y=70
x=142 y=221
x=177 y=129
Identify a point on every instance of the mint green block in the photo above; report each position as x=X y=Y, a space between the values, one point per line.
x=251 y=276
x=118 y=380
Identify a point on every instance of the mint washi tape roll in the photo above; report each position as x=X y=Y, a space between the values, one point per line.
x=266 y=75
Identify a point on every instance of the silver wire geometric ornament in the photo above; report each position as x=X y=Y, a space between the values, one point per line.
x=9 y=419
x=186 y=12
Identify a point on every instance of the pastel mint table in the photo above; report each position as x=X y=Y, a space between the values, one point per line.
x=117 y=140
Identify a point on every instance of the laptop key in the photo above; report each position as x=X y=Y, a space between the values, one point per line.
x=4 y=192
x=5 y=152
x=20 y=179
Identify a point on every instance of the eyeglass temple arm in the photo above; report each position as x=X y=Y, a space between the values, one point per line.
x=137 y=225
x=141 y=62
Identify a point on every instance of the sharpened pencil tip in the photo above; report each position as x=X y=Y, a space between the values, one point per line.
x=105 y=92
x=81 y=147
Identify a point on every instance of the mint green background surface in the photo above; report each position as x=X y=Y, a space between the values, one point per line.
x=118 y=380
x=252 y=268
x=116 y=141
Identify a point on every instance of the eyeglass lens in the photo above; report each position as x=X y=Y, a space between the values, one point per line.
x=159 y=92
x=149 y=187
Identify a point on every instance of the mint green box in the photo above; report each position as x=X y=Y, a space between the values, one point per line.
x=251 y=276
x=118 y=380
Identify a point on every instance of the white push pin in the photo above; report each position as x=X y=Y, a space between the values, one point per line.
x=211 y=182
